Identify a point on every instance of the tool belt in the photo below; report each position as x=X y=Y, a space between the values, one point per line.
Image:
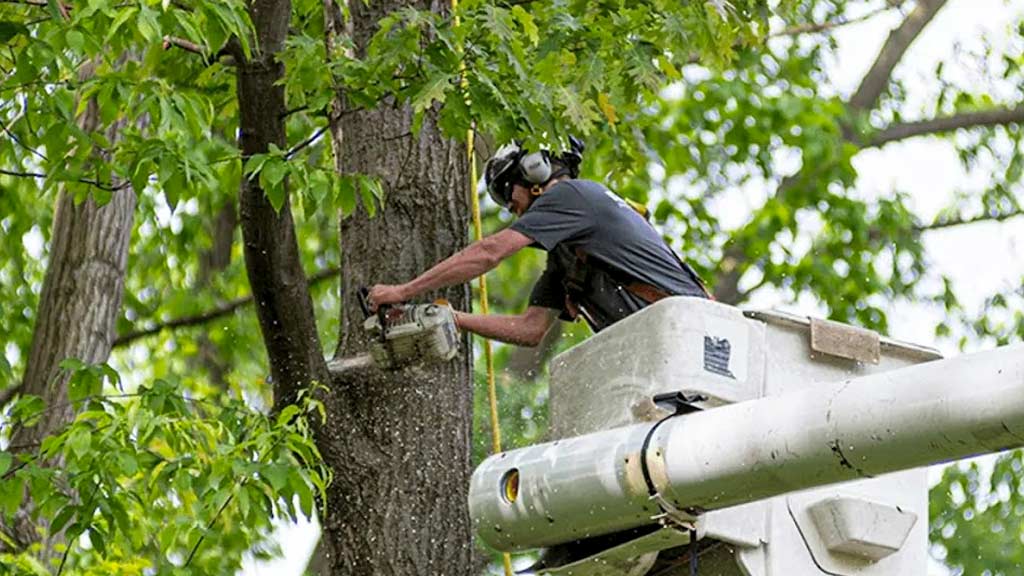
x=590 y=280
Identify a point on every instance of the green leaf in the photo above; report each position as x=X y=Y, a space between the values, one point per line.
x=123 y=16
x=80 y=441
x=271 y=180
x=97 y=540
x=277 y=475
x=255 y=163
x=62 y=518
x=346 y=193
x=54 y=8
x=76 y=40
x=286 y=415
x=5 y=462
x=10 y=30
x=274 y=171
x=148 y=25
x=371 y=192
x=84 y=383
x=11 y=492
x=434 y=89
x=526 y=21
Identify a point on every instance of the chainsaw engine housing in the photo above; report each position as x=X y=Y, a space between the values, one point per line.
x=412 y=334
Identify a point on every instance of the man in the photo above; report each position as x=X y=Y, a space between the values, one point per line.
x=605 y=261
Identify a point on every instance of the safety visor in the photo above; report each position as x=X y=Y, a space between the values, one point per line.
x=501 y=191
x=500 y=174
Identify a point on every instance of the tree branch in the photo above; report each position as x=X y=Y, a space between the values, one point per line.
x=18 y=141
x=211 y=315
x=877 y=79
x=735 y=260
x=8 y=393
x=816 y=27
x=184 y=45
x=979 y=119
x=944 y=223
x=40 y=3
x=316 y=136
x=100 y=185
x=22 y=174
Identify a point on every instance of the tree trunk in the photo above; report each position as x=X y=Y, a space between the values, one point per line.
x=279 y=286
x=401 y=471
x=78 y=307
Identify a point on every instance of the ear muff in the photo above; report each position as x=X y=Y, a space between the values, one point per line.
x=535 y=167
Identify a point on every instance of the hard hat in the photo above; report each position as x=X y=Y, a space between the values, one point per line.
x=510 y=165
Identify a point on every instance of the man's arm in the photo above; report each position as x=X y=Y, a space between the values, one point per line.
x=526 y=329
x=476 y=259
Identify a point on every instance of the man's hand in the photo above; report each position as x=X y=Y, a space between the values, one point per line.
x=383 y=294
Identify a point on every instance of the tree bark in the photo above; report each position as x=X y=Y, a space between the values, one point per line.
x=398 y=502
x=78 y=307
x=278 y=283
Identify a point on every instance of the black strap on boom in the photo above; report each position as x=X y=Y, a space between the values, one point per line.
x=678 y=403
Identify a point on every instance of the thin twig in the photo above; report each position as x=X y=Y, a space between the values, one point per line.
x=9 y=393
x=238 y=485
x=184 y=45
x=288 y=113
x=100 y=185
x=961 y=221
x=90 y=500
x=211 y=315
x=811 y=28
x=22 y=174
x=22 y=144
x=316 y=136
x=814 y=28
x=211 y=523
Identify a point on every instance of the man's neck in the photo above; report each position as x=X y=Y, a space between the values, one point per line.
x=553 y=182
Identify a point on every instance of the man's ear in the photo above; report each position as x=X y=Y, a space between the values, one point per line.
x=536 y=190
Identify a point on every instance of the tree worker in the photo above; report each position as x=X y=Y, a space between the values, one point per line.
x=605 y=260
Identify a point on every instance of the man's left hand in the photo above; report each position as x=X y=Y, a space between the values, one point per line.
x=384 y=294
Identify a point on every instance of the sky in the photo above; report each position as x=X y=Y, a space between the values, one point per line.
x=926 y=168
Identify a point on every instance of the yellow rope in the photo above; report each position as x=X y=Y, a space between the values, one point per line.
x=484 y=309
x=492 y=392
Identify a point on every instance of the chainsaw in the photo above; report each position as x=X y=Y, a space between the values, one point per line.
x=405 y=334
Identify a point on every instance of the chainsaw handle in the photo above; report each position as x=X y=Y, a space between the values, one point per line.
x=363 y=295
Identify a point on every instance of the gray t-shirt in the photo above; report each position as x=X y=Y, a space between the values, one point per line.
x=584 y=215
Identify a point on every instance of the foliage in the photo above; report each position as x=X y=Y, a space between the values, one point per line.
x=157 y=481
x=740 y=120
x=975 y=513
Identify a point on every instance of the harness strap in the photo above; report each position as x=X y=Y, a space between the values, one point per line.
x=646 y=292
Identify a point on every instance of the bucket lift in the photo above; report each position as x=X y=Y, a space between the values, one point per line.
x=796 y=447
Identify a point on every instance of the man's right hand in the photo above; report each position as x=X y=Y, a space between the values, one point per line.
x=384 y=294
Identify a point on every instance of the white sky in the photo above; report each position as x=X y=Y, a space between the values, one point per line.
x=981 y=258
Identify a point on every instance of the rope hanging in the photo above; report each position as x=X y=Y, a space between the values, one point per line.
x=492 y=393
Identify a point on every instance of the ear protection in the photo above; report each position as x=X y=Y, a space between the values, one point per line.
x=535 y=167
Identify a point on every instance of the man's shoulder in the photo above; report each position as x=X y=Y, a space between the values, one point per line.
x=581 y=192
x=580 y=186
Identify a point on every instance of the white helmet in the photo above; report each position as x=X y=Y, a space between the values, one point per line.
x=513 y=165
